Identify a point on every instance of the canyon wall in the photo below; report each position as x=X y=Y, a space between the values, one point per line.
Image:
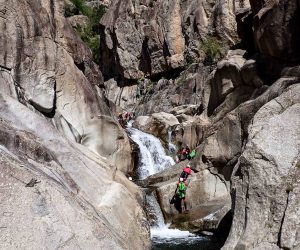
x=63 y=153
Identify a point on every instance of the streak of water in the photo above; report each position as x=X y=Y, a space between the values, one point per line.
x=172 y=147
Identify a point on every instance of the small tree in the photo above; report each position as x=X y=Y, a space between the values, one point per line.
x=212 y=50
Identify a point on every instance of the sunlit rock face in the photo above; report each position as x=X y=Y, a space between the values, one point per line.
x=71 y=182
x=56 y=127
x=45 y=65
x=264 y=179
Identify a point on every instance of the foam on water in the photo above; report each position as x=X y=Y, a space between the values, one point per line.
x=163 y=231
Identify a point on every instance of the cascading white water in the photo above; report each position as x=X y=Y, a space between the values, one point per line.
x=152 y=160
x=155 y=210
x=152 y=154
x=161 y=230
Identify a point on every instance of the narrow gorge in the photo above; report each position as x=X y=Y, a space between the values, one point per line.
x=219 y=76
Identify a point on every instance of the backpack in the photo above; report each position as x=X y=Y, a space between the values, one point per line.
x=193 y=154
x=181 y=187
x=184 y=175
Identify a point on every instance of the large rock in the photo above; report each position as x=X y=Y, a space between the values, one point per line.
x=223 y=135
x=188 y=133
x=232 y=72
x=123 y=98
x=204 y=187
x=46 y=67
x=44 y=64
x=76 y=185
x=157 y=124
x=208 y=217
x=207 y=194
x=266 y=176
x=276 y=25
x=223 y=145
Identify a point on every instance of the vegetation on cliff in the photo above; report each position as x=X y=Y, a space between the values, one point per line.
x=89 y=33
x=212 y=50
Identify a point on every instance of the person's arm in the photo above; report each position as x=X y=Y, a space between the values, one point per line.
x=176 y=187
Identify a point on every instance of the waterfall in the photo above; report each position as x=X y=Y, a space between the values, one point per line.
x=152 y=160
x=160 y=230
x=154 y=210
x=172 y=147
x=152 y=154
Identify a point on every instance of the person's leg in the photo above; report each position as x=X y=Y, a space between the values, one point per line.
x=185 y=204
x=182 y=205
x=177 y=205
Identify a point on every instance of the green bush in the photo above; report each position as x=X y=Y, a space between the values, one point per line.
x=90 y=33
x=212 y=50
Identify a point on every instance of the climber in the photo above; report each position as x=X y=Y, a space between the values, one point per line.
x=129 y=116
x=132 y=115
x=183 y=153
x=121 y=120
x=192 y=154
x=186 y=151
x=187 y=171
x=180 y=190
x=126 y=116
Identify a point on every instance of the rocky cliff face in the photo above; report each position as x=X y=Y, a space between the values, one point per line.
x=245 y=106
x=56 y=128
x=150 y=38
x=45 y=65
x=265 y=178
x=160 y=47
x=63 y=155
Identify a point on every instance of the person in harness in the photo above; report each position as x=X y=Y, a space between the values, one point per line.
x=187 y=171
x=192 y=154
x=183 y=154
x=180 y=193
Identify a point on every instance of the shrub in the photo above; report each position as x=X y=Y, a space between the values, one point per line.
x=90 y=33
x=212 y=50
x=269 y=225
